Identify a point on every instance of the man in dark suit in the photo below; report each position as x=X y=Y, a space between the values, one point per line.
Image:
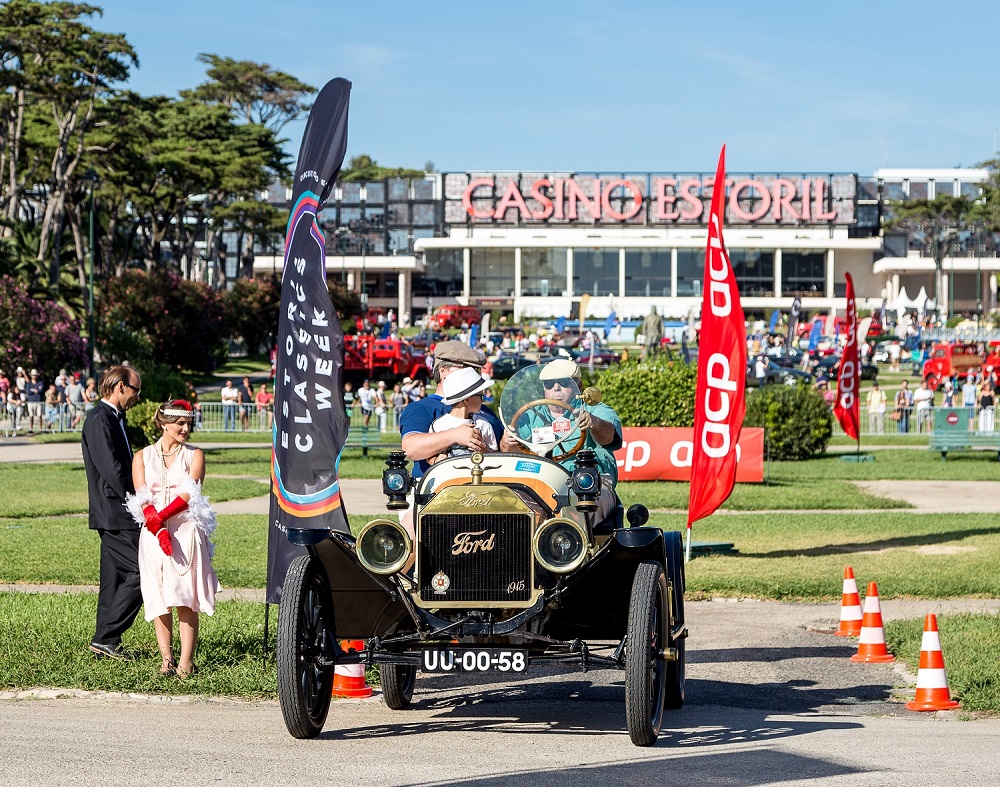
x=108 y=459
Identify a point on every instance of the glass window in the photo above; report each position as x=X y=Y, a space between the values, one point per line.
x=918 y=189
x=399 y=242
x=944 y=188
x=690 y=269
x=351 y=193
x=375 y=192
x=970 y=190
x=399 y=189
x=893 y=189
x=754 y=271
x=423 y=189
x=423 y=215
x=543 y=272
x=399 y=213
x=647 y=272
x=491 y=272
x=443 y=275
x=803 y=273
x=595 y=271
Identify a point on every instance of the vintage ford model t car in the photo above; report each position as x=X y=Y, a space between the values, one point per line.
x=508 y=571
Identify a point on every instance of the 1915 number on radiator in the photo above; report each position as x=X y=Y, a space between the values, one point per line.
x=473 y=660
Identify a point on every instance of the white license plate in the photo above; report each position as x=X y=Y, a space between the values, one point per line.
x=473 y=660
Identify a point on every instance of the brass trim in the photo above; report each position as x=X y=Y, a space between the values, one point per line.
x=577 y=562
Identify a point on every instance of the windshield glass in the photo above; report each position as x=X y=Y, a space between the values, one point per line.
x=538 y=412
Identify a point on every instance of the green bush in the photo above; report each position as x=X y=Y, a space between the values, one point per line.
x=660 y=393
x=139 y=425
x=797 y=421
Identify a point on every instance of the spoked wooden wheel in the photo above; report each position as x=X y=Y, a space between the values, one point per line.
x=645 y=670
x=306 y=651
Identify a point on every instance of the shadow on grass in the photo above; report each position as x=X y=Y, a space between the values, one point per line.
x=925 y=539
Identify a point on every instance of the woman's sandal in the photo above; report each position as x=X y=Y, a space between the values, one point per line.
x=168 y=667
x=183 y=674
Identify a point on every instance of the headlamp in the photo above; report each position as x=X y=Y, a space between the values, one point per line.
x=396 y=481
x=560 y=545
x=383 y=546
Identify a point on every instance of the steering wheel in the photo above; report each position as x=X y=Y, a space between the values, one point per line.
x=535 y=403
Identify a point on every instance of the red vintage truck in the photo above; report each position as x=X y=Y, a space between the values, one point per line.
x=367 y=357
x=956 y=360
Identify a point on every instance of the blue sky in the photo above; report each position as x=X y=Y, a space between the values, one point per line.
x=599 y=86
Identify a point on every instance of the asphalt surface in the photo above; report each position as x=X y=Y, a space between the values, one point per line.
x=772 y=698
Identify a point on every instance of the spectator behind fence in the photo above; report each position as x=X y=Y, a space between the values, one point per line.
x=877 y=401
x=265 y=407
x=987 y=408
x=230 y=403
x=904 y=401
x=35 y=396
x=923 y=399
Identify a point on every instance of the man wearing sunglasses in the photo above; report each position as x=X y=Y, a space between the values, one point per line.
x=561 y=382
x=107 y=458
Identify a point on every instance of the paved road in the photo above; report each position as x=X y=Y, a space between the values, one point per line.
x=772 y=699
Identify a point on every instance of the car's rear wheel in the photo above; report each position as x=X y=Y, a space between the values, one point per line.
x=645 y=670
x=398 y=681
x=306 y=650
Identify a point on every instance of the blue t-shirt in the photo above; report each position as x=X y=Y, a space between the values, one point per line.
x=419 y=415
x=605 y=453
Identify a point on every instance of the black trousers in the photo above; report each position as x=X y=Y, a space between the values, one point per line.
x=120 y=596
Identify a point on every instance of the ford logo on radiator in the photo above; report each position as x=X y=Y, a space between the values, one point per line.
x=468 y=544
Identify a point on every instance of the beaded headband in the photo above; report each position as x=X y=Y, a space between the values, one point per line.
x=178 y=408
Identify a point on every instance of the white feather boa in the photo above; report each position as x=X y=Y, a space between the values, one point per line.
x=198 y=509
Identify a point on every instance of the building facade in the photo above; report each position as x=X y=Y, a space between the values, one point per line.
x=533 y=244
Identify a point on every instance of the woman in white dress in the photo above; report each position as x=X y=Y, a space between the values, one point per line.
x=175 y=553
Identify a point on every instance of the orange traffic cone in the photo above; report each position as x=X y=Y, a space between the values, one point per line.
x=871 y=645
x=932 y=685
x=850 y=607
x=349 y=679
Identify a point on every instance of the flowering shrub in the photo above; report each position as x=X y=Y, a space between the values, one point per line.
x=161 y=317
x=37 y=333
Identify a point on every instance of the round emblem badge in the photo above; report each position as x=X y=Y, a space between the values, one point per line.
x=952 y=418
x=440 y=582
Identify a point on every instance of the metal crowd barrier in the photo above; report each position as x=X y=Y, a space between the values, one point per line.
x=218 y=417
x=912 y=421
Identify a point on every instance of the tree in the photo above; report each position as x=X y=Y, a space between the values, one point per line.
x=255 y=92
x=364 y=168
x=54 y=71
x=36 y=332
x=936 y=224
x=252 y=311
x=158 y=316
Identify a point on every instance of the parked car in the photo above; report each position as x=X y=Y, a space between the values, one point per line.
x=776 y=374
x=508 y=365
x=453 y=316
x=830 y=367
x=603 y=355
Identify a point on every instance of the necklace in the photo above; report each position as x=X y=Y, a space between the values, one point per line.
x=170 y=453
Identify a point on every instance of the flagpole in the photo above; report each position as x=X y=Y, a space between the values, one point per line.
x=687 y=551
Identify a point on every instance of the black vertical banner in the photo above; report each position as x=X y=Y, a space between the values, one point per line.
x=310 y=421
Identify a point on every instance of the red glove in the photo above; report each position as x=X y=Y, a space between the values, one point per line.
x=153 y=520
x=164 y=537
x=174 y=507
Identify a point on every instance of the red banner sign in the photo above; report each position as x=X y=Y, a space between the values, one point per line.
x=719 y=403
x=666 y=454
x=848 y=406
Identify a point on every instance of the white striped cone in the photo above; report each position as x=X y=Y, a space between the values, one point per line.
x=850 y=607
x=871 y=642
x=932 y=683
x=349 y=679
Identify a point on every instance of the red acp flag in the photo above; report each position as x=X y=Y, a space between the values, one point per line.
x=722 y=359
x=848 y=406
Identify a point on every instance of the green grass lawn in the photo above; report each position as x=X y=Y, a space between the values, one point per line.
x=797 y=555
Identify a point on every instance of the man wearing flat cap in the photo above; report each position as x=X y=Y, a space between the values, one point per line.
x=419 y=443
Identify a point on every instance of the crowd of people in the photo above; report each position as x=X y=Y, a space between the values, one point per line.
x=31 y=404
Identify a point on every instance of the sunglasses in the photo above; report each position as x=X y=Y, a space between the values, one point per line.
x=138 y=391
x=564 y=382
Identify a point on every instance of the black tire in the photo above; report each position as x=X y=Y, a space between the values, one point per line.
x=306 y=651
x=397 y=684
x=645 y=671
x=674 y=695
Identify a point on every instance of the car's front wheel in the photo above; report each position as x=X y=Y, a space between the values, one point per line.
x=306 y=651
x=645 y=669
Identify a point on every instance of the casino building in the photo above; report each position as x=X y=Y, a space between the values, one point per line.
x=532 y=244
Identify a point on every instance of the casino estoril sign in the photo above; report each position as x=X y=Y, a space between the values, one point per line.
x=652 y=199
